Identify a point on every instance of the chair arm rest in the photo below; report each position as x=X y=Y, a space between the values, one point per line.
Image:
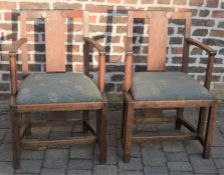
x=211 y=58
x=201 y=45
x=16 y=45
x=94 y=44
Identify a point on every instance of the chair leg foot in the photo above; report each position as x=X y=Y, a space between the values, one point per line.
x=126 y=158
x=15 y=138
x=102 y=133
x=209 y=131
x=128 y=132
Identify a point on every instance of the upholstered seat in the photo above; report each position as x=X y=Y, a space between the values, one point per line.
x=57 y=88
x=167 y=86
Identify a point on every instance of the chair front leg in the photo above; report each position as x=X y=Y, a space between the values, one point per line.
x=128 y=132
x=209 y=131
x=124 y=114
x=102 y=133
x=15 y=137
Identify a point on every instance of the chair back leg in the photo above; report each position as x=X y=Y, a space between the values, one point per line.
x=209 y=131
x=102 y=133
x=128 y=132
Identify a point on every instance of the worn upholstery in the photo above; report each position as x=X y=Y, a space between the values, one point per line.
x=167 y=86
x=57 y=88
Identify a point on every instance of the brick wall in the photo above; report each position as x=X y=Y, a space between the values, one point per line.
x=108 y=22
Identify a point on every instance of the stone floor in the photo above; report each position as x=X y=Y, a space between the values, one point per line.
x=157 y=158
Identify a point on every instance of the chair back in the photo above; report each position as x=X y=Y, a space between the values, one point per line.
x=56 y=35
x=158 y=33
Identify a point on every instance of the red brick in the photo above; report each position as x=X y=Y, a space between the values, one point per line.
x=115 y=58
x=212 y=3
x=98 y=0
x=97 y=8
x=118 y=49
x=33 y=5
x=147 y=1
x=163 y=1
x=177 y=50
x=179 y=2
x=7 y=5
x=8 y=16
x=196 y=2
x=114 y=1
x=63 y=5
x=218 y=14
x=217 y=33
x=79 y=68
x=92 y=19
x=130 y=1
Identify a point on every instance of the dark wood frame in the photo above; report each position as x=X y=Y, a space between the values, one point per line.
x=18 y=133
x=201 y=133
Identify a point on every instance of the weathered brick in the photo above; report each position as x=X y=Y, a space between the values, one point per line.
x=11 y=16
x=97 y=8
x=176 y=50
x=179 y=2
x=117 y=77
x=163 y=1
x=217 y=33
x=4 y=87
x=200 y=32
x=114 y=1
x=147 y=1
x=130 y=1
x=203 y=22
x=109 y=87
x=214 y=42
x=7 y=5
x=33 y=5
x=64 y=5
x=204 y=13
x=212 y=3
x=218 y=14
x=196 y=2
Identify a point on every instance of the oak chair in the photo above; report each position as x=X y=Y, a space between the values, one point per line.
x=156 y=89
x=56 y=89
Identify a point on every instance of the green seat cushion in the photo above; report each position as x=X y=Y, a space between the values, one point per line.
x=57 y=88
x=167 y=86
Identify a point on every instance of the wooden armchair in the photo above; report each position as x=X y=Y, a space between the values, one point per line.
x=157 y=89
x=56 y=90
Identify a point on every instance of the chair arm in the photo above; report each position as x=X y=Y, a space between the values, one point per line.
x=12 y=62
x=16 y=45
x=94 y=44
x=201 y=45
x=101 y=59
x=211 y=58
